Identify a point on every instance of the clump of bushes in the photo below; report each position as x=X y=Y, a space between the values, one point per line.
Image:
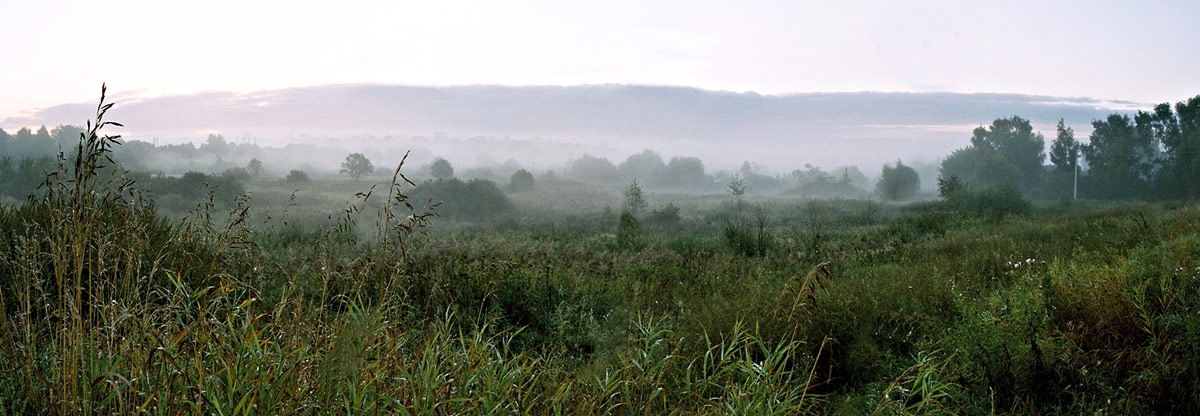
x=297 y=175
x=185 y=192
x=995 y=201
x=898 y=183
x=476 y=198
x=665 y=216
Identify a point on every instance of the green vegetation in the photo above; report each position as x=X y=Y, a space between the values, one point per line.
x=495 y=305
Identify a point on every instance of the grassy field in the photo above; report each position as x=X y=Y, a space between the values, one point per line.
x=309 y=299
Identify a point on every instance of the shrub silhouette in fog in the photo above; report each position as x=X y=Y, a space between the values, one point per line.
x=476 y=198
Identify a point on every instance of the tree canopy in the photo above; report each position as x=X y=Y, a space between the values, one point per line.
x=1007 y=152
x=441 y=169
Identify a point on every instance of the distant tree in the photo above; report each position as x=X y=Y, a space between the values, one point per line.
x=756 y=178
x=66 y=136
x=297 y=175
x=737 y=188
x=1060 y=181
x=23 y=134
x=635 y=201
x=1064 y=151
x=255 y=167
x=1182 y=147
x=441 y=169
x=647 y=166
x=215 y=143
x=356 y=165
x=592 y=169
x=521 y=181
x=898 y=182
x=686 y=172
x=43 y=135
x=628 y=227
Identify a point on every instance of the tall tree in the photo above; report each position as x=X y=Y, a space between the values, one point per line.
x=1120 y=157
x=1064 y=151
x=1181 y=144
x=1061 y=181
x=1014 y=140
x=1006 y=153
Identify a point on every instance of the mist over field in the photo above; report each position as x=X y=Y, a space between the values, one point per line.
x=548 y=126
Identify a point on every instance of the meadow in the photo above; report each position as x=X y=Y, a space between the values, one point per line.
x=349 y=297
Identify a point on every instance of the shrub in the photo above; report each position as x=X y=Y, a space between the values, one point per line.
x=898 y=183
x=995 y=202
x=184 y=192
x=477 y=198
x=297 y=175
x=748 y=236
x=237 y=173
x=667 y=215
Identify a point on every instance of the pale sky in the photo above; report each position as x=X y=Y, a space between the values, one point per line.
x=60 y=51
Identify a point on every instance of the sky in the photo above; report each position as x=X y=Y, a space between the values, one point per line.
x=61 y=51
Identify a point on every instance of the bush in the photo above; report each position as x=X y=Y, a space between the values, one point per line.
x=184 y=192
x=898 y=183
x=237 y=173
x=994 y=202
x=297 y=175
x=748 y=237
x=477 y=198
x=668 y=215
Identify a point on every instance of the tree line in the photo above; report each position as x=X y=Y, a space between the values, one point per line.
x=1154 y=155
